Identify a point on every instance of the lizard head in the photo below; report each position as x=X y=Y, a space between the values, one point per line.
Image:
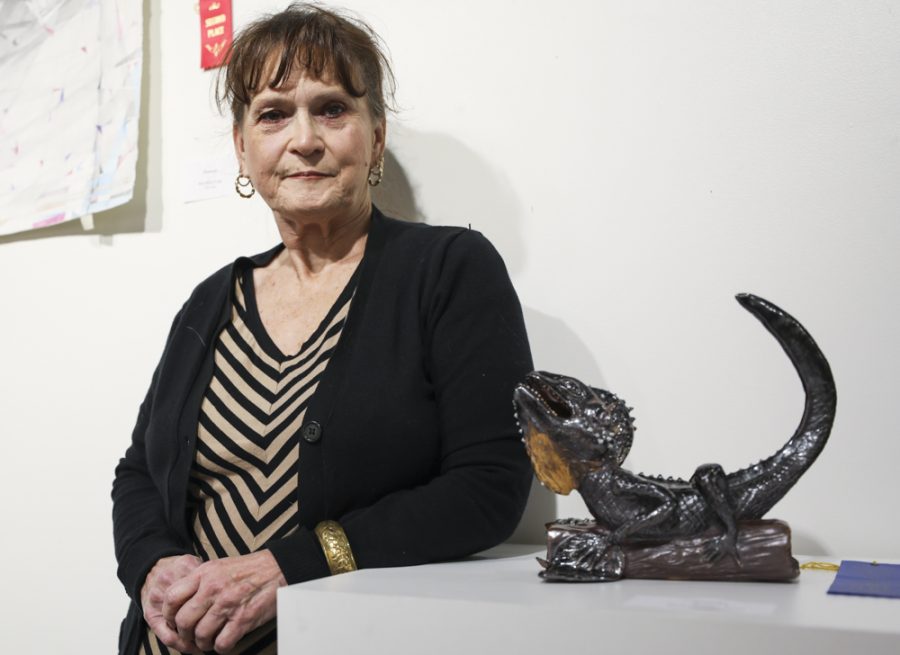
x=570 y=429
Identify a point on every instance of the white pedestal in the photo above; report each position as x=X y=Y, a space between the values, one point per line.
x=495 y=603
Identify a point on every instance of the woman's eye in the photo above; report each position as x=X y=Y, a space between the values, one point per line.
x=271 y=116
x=333 y=110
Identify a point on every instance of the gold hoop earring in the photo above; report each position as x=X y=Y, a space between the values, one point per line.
x=241 y=182
x=376 y=173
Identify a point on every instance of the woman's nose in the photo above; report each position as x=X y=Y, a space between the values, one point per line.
x=305 y=137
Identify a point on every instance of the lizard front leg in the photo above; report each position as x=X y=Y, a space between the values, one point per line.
x=654 y=504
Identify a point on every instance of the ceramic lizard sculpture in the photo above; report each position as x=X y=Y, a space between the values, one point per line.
x=578 y=437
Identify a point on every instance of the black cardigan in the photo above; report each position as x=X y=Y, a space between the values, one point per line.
x=419 y=457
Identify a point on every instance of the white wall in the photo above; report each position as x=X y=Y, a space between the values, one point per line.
x=636 y=163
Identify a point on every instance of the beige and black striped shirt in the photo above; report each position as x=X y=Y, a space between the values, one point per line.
x=243 y=484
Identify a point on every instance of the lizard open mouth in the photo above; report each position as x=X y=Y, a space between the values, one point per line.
x=547 y=396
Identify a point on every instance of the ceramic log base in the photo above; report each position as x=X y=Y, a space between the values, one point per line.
x=764 y=548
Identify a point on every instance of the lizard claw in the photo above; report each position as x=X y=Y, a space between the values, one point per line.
x=586 y=557
x=717 y=548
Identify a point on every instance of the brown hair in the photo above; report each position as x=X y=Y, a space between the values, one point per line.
x=322 y=42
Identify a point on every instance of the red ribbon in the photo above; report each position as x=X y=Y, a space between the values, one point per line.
x=215 y=32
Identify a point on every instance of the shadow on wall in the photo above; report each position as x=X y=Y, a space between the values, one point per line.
x=540 y=510
x=443 y=181
x=142 y=213
x=555 y=348
x=394 y=196
x=805 y=544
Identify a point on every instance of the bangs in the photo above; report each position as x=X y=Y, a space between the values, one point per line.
x=274 y=68
x=319 y=44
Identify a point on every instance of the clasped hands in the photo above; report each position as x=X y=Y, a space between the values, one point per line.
x=194 y=606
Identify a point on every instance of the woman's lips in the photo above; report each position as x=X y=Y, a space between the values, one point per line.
x=307 y=175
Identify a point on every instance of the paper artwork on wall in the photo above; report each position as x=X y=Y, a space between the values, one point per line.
x=69 y=108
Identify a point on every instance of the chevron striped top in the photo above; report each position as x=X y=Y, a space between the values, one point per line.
x=243 y=484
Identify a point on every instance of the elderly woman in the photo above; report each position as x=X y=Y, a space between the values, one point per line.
x=340 y=401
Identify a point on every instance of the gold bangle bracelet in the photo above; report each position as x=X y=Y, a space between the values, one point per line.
x=336 y=547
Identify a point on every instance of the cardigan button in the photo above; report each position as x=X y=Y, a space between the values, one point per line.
x=312 y=432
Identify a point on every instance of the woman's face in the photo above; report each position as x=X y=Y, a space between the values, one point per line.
x=308 y=146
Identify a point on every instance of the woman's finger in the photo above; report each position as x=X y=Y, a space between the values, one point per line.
x=190 y=614
x=208 y=628
x=177 y=595
x=169 y=637
x=230 y=635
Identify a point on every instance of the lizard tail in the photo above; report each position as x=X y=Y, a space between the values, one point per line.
x=755 y=489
